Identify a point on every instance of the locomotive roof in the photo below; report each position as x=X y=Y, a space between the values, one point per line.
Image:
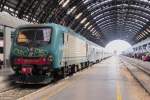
x=33 y=25
x=63 y=28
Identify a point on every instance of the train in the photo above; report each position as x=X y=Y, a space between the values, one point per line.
x=140 y=50
x=41 y=53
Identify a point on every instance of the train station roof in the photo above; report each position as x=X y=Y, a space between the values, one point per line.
x=98 y=20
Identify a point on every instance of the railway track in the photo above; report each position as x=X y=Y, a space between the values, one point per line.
x=140 y=67
x=141 y=74
x=11 y=91
x=18 y=91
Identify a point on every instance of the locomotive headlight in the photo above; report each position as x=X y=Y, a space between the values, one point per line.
x=14 y=67
x=50 y=58
x=44 y=59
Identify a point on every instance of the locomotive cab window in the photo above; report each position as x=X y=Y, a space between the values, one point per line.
x=35 y=35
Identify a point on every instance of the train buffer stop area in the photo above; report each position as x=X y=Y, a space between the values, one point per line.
x=74 y=49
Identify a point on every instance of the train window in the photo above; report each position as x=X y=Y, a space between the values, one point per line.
x=1 y=49
x=134 y=49
x=1 y=34
x=148 y=46
x=66 y=37
x=144 y=46
x=37 y=35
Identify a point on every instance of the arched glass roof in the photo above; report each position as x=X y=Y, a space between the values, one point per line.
x=98 y=20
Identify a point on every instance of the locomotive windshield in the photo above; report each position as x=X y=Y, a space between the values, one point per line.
x=34 y=36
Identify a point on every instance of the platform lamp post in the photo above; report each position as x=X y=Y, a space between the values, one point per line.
x=1 y=45
x=7 y=44
x=4 y=59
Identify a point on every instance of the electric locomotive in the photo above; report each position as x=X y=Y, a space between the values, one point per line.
x=37 y=53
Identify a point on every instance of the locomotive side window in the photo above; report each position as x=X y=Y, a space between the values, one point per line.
x=66 y=38
x=63 y=38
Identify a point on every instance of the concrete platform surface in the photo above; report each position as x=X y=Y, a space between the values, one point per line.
x=5 y=73
x=5 y=78
x=108 y=80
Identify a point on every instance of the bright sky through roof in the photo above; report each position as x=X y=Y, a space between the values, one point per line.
x=117 y=46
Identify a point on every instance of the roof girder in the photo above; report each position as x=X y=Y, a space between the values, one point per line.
x=129 y=22
x=109 y=27
x=133 y=28
x=137 y=23
x=134 y=15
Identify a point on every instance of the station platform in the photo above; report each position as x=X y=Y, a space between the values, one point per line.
x=108 y=80
x=5 y=73
x=5 y=78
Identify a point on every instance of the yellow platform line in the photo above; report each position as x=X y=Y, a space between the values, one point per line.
x=118 y=91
